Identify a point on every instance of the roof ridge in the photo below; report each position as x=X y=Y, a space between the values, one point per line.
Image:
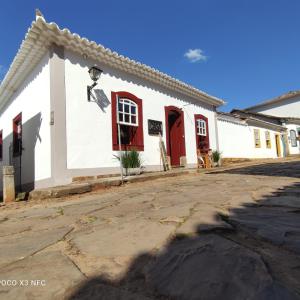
x=282 y=97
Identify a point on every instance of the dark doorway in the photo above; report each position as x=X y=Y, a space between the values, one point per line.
x=175 y=134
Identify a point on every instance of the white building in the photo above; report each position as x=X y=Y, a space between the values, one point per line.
x=287 y=108
x=50 y=131
x=286 y=105
x=244 y=134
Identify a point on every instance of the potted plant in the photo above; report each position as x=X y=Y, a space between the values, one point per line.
x=131 y=162
x=217 y=158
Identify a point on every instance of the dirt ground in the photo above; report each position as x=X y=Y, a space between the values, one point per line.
x=232 y=234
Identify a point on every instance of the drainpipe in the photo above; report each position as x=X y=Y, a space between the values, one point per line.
x=216 y=129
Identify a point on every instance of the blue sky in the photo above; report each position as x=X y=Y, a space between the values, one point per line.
x=243 y=51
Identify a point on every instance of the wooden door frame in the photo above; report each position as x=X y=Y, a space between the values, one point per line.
x=168 y=109
x=201 y=117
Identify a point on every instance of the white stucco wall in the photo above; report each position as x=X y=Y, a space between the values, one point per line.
x=32 y=99
x=89 y=132
x=237 y=141
x=263 y=151
x=293 y=150
x=234 y=141
x=288 y=108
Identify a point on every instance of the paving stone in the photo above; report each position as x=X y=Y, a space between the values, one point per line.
x=35 y=222
x=34 y=212
x=97 y=203
x=281 y=226
x=203 y=219
x=57 y=271
x=18 y=246
x=158 y=212
x=108 y=250
x=94 y=290
x=126 y=239
x=284 y=201
x=211 y=267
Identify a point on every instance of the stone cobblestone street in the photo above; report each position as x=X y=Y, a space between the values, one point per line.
x=232 y=234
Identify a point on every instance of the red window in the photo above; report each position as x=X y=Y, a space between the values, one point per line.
x=17 y=135
x=1 y=145
x=127 y=111
x=202 y=133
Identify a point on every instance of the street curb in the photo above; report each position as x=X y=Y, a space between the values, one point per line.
x=100 y=184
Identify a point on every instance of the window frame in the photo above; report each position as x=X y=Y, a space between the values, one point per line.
x=268 y=139
x=257 y=138
x=130 y=104
x=17 y=137
x=136 y=132
x=293 y=141
x=201 y=130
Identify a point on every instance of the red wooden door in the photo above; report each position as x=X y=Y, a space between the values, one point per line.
x=174 y=138
x=175 y=134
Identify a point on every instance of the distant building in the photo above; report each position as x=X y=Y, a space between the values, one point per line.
x=286 y=105
x=287 y=108
x=249 y=134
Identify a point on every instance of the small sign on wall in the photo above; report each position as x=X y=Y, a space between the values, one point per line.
x=155 y=127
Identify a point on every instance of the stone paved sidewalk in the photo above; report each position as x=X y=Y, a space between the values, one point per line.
x=233 y=234
x=82 y=185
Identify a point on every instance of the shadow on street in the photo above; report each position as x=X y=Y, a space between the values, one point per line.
x=284 y=169
x=259 y=258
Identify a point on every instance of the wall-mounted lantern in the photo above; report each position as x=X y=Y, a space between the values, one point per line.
x=95 y=75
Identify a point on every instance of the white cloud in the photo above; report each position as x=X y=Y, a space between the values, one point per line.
x=195 y=55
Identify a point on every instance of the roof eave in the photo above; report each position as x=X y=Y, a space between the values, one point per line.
x=267 y=124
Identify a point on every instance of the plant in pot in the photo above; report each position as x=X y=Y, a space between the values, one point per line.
x=131 y=162
x=217 y=156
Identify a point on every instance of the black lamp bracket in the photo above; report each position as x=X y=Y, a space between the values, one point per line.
x=89 y=90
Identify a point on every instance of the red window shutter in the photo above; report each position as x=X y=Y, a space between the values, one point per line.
x=207 y=133
x=114 y=121
x=139 y=134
